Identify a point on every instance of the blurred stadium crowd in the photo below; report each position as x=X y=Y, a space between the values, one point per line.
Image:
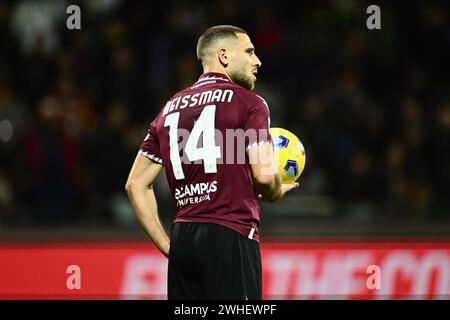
x=371 y=107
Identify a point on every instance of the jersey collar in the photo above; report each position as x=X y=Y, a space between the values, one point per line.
x=214 y=76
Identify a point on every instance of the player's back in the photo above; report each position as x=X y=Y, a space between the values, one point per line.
x=202 y=135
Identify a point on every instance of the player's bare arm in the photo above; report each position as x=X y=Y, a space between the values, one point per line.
x=266 y=175
x=139 y=187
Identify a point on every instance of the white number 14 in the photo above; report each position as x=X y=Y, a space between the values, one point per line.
x=209 y=152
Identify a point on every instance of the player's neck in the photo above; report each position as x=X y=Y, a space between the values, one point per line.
x=215 y=70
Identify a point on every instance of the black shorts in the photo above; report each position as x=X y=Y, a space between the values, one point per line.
x=210 y=261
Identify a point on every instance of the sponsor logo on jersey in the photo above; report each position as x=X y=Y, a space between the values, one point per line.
x=195 y=193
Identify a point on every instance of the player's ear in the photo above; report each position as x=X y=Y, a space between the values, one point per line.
x=222 y=55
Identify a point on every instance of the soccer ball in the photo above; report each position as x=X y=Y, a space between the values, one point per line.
x=289 y=154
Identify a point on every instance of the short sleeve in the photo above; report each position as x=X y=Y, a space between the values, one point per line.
x=257 y=124
x=150 y=146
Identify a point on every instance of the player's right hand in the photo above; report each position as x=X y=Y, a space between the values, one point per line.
x=166 y=251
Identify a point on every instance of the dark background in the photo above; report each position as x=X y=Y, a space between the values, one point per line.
x=372 y=108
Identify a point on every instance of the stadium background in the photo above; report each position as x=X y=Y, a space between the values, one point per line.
x=372 y=108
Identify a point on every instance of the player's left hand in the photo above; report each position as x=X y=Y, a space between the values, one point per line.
x=285 y=187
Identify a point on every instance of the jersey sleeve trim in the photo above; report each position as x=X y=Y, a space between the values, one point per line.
x=150 y=156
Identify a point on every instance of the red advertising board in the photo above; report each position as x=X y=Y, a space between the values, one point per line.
x=346 y=270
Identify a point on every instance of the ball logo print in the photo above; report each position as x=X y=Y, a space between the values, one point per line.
x=291 y=168
x=290 y=156
x=302 y=149
x=281 y=142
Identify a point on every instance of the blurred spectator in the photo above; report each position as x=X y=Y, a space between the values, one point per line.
x=35 y=23
x=438 y=156
x=54 y=164
x=7 y=200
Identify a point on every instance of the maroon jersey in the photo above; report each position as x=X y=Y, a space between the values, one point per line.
x=201 y=137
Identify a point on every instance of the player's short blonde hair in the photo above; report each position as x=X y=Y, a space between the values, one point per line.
x=213 y=34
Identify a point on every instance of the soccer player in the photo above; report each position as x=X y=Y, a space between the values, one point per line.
x=199 y=137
